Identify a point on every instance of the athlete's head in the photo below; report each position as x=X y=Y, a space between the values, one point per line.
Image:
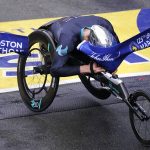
x=98 y=36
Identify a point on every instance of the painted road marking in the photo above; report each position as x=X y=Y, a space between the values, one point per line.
x=126 y=25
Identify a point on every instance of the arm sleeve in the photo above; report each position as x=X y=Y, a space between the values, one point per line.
x=61 y=68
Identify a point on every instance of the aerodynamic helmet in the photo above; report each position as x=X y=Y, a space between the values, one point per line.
x=100 y=36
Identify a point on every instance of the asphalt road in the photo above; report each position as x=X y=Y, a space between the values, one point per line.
x=31 y=9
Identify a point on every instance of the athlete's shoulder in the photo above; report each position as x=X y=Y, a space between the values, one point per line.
x=93 y=16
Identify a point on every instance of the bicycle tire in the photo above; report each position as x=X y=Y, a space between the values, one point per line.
x=145 y=98
x=98 y=92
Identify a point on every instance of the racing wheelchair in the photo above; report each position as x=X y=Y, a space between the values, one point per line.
x=38 y=88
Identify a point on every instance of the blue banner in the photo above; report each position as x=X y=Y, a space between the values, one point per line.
x=110 y=58
x=13 y=43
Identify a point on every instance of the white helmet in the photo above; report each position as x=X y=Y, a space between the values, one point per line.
x=100 y=36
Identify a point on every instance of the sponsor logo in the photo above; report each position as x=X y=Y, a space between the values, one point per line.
x=141 y=42
x=107 y=57
x=13 y=43
x=36 y=103
x=134 y=46
x=10 y=46
x=61 y=51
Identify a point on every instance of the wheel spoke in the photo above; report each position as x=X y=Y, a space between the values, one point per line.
x=33 y=94
x=45 y=89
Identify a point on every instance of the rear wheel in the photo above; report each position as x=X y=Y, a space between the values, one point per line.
x=36 y=86
x=141 y=128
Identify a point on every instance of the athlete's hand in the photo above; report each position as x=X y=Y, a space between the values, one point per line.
x=86 y=69
x=97 y=68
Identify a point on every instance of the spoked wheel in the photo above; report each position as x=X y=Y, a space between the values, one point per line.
x=141 y=126
x=36 y=86
x=96 y=88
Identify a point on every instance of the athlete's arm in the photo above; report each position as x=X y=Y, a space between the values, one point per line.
x=60 y=67
x=85 y=69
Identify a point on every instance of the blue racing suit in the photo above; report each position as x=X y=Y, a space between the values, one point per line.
x=67 y=34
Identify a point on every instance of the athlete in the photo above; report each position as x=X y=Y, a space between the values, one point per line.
x=69 y=32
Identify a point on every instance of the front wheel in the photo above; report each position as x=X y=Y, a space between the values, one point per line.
x=141 y=127
x=36 y=86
